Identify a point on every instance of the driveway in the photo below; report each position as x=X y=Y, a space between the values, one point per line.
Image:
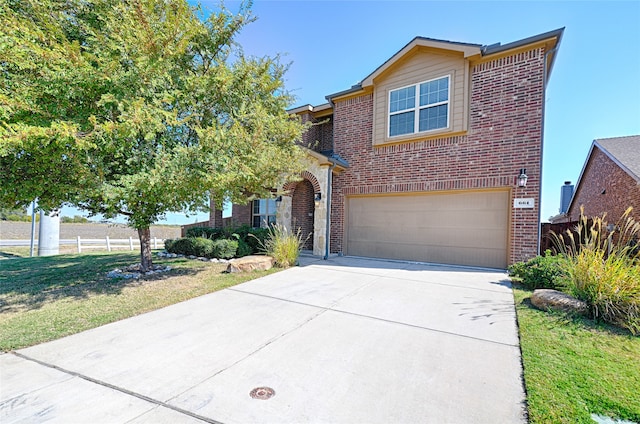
x=348 y=340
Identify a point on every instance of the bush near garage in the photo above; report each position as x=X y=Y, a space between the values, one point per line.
x=541 y=272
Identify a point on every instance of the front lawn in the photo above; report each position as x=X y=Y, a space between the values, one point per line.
x=45 y=298
x=574 y=367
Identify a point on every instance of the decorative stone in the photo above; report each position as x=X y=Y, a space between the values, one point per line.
x=133 y=272
x=250 y=263
x=547 y=299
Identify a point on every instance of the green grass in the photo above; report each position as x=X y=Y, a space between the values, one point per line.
x=45 y=298
x=574 y=367
x=15 y=252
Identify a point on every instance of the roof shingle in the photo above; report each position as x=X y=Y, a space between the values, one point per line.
x=625 y=151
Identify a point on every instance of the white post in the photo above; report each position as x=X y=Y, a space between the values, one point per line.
x=130 y=243
x=33 y=228
x=79 y=246
x=108 y=244
x=155 y=243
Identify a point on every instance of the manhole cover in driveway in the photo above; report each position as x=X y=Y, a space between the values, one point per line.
x=262 y=393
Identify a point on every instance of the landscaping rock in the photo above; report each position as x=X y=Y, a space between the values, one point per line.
x=250 y=263
x=547 y=299
x=133 y=271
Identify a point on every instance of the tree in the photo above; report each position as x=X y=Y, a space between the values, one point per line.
x=137 y=108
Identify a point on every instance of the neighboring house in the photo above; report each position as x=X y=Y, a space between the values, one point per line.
x=610 y=179
x=420 y=161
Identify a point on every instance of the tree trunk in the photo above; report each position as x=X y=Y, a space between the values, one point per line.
x=145 y=249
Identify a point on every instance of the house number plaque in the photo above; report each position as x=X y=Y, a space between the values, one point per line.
x=527 y=203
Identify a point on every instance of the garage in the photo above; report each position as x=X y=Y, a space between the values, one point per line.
x=468 y=228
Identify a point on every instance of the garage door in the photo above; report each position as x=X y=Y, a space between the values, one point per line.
x=468 y=228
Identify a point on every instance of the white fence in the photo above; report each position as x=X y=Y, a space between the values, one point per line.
x=83 y=244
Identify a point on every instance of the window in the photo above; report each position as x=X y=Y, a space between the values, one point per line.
x=264 y=213
x=420 y=107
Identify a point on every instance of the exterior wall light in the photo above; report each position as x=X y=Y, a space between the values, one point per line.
x=278 y=201
x=316 y=198
x=522 y=178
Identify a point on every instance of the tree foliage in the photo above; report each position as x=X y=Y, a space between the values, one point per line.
x=137 y=108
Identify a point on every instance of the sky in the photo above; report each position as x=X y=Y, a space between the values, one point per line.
x=593 y=92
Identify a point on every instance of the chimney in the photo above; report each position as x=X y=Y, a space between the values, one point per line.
x=566 y=191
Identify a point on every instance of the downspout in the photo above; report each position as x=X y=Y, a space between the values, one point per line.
x=544 y=99
x=328 y=222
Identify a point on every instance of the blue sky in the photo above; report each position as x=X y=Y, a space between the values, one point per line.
x=594 y=90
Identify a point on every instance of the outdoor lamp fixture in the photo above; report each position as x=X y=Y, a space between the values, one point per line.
x=278 y=201
x=316 y=198
x=522 y=178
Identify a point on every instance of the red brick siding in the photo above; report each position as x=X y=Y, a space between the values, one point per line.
x=302 y=209
x=318 y=137
x=621 y=190
x=504 y=135
x=241 y=214
x=215 y=216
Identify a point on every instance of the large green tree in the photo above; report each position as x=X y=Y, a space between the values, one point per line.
x=137 y=108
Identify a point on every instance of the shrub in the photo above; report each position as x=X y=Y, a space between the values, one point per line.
x=603 y=268
x=283 y=245
x=205 y=232
x=541 y=272
x=255 y=238
x=243 y=249
x=224 y=248
x=168 y=245
x=245 y=233
x=196 y=246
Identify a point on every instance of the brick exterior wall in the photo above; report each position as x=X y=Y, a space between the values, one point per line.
x=318 y=137
x=302 y=209
x=241 y=214
x=620 y=190
x=215 y=215
x=504 y=135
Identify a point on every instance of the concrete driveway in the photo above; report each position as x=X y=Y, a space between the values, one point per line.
x=347 y=340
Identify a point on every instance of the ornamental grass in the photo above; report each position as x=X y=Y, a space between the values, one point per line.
x=603 y=267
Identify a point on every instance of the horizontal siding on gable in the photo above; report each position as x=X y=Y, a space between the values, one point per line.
x=421 y=66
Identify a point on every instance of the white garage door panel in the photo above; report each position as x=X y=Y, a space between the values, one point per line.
x=461 y=228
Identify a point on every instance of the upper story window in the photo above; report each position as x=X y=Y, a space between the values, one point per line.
x=420 y=107
x=264 y=213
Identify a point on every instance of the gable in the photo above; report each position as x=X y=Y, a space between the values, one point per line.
x=420 y=65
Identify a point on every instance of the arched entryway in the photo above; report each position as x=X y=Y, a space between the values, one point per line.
x=302 y=212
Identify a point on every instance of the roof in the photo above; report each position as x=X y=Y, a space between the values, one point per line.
x=328 y=158
x=623 y=151
x=466 y=49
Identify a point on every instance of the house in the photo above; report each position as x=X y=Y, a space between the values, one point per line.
x=434 y=156
x=610 y=179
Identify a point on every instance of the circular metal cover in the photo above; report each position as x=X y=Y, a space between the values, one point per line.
x=262 y=393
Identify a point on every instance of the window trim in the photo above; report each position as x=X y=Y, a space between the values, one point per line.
x=417 y=108
x=266 y=215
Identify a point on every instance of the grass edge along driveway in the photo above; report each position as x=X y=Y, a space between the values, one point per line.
x=574 y=367
x=45 y=298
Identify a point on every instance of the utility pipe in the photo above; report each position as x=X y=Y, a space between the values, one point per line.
x=328 y=222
